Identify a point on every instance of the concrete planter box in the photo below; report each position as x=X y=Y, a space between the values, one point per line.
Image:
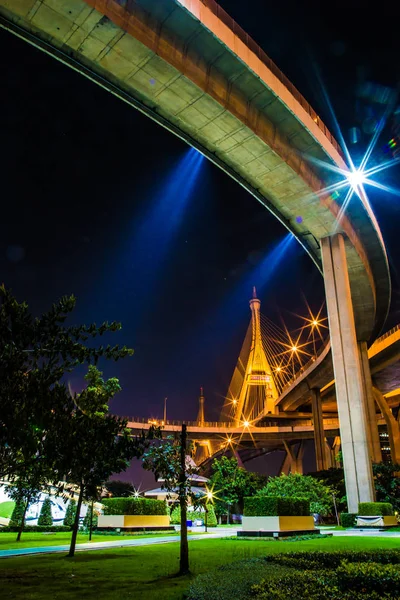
x=133 y=521
x=277 y=524
x=367 y=521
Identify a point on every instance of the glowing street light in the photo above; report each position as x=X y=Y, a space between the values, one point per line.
x=356 y=179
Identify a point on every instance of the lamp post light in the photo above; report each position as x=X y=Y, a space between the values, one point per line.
x=209 y=497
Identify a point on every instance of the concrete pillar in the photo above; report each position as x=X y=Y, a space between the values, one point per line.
x=392 y=424
x=299 y=458
x=372 y=422
x=348 y=378
x=319 y=435
x=293 y=462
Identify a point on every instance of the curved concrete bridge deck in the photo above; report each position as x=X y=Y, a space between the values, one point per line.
x=190 y=67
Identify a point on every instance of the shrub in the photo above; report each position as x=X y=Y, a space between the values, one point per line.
x=275 y=506
x=134 y=506
x=193 y=515
x=35 y=529
x=332 y=560
x=301 y=486
x=45 y=518
x=348 y=519
x=17 y=514
x=86 y=520
x=70 y=513
x=369 y=576
x=375 y=509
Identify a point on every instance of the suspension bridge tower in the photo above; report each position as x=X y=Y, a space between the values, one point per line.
x=252 y=392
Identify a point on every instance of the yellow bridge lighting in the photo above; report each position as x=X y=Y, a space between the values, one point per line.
x=315 y=323
x=246 y=424
x=294 y=348
x=234 y=401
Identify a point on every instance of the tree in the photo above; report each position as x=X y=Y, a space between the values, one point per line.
x=304 y=486
x=18 y=514
x=168 y=461
x=23 y=492
x=334 y=479
x=35 y=355
x=70 y=513
x=232 y=483
x=387 y=483
x=95 y=444
x=45 y=517
x=119 y=489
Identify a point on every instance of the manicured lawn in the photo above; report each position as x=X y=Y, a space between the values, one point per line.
x=6 y=508
x=30 y=540
x=145 y=572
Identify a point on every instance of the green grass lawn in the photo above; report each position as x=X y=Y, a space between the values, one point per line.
x=6 y=508
x=145 y=572
x=30 y=540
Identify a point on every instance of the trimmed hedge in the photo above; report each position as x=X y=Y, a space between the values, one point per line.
x=383 y=579
x=317 y=561
x=134 y=506
x=193 y=515
x=375 y=509
x=35 y=529
x=276 y=506
x=348 y=519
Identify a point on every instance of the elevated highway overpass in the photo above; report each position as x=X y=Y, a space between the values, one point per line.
x=187 y=65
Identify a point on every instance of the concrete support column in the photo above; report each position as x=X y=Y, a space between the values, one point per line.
x=372 y=423
x=392 y=425
x=319 y=435
x=348 y=378
x=293 y=462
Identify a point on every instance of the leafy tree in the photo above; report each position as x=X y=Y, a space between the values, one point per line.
x=70 y=513
x=89 y=517
x=23 y=492
x=35 y=354
x=45 y=517
x=304 y=486
x=232 y=483
x=387 y=483
x=334 y=479
x=119 y=489
x=95 y=444
x=18 y=514
x=168 y=461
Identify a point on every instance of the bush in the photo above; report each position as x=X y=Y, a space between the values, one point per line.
x=134 y=506
x=70 y=513
x=86 y=520
x=275 y=506
x=193 y=515
x=332 y=560
x=301 y=486
x=17 y=514
x=371 y=576
x=35 y=529
x=348 y=519
x=45 y=518
x=375 y=509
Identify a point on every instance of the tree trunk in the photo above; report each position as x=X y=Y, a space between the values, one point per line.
x=21 y=527
x=91 y=521
x=76 y=523
x=184 y=552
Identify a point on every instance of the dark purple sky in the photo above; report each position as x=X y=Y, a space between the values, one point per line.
x=85 y=179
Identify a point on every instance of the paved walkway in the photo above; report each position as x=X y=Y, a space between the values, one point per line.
x=211 y=534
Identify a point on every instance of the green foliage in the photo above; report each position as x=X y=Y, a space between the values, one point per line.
x=301 y=486
x=45 y=518
x=36 y=529
x=233 y=483
x=387 y=483
x=134 y=506
x=195 y=514
x=119 y=489
x=6 y=509
x=332 y=560
x=334 y=480
x=35 y=354
x=348 y=519
x=259 y=506
x=382 y=579
x=86 y=520
x=70 y=513
x=17 y=514
x=372 y=509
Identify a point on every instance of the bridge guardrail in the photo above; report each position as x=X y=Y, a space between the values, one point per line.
x=387 y=334
x=255 y=48
x=306 y=366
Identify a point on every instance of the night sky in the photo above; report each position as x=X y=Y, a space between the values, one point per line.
x=87 y=180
